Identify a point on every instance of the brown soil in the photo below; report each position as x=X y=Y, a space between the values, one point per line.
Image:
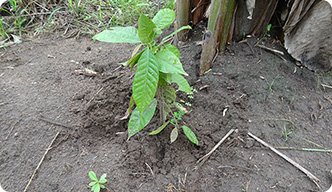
x=41 y=95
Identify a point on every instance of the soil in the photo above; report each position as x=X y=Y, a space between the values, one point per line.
x=247 y=89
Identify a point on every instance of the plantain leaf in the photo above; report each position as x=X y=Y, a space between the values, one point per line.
x=172 y=49
x=181 y=81
x=164 y=18
x=155 y=132
x=174 y=134
x=169 y=63
x=145 y=29
x=118 y=35
x=138 y=121
x=145 y=80
x=190 y=134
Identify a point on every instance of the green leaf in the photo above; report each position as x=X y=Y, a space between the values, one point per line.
x=169 y=63
x=157 y=32
x=174 y=134
x=190 y=134
x=164 y=78
x=102 y=186
x=95 y=188
x=164 y=18
x=168 y=94
x=118 y=35
x=155 y=132
x=102 y=178
x=145 y=29
x=145 y=80
x=93 y=183
x=93 y=176
x=138 y=121
x=172 y=49
x=131 y=105
x=134 y=60
x=136 y=49
x=175 y=32
x=181 y=81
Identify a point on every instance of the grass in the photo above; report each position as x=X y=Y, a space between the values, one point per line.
x=88 y=16
x=271 y=84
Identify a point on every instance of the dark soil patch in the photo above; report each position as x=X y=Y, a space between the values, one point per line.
x=38 y=86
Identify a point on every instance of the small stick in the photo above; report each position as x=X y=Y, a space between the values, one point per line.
x=310 y=175
x=205 y=157
x=13 y=127
x=327 y=86
x=41 y=161
x=269 y=49
x=112 y=77
x=150 y=169
x=95 y=95
x=53 y=122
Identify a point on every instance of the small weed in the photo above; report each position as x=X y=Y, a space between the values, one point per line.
x=2 y=29
x=271 y=84
x=286 y=132
x=19 y=21
x=96 y=184
x=267 y=32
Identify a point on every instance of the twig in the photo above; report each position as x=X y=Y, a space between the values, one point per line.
x=269 y=49
x=205 y=157
x=112 y=77
x=53 y=122
x=41 y=161
x=197 y=6
x=327 y=98
x=310 y=175
x=95 y=95
x=327 y=86
x=150 y=169
x=13 y=127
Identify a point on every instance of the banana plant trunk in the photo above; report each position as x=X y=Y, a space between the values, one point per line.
x=220 y=17
x=182 y=18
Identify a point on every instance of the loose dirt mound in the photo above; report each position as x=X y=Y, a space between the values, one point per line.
x=248 y=89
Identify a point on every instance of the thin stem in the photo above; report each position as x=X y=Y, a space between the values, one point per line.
x=161 y=106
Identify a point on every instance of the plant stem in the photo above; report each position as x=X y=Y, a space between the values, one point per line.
x=161 y=106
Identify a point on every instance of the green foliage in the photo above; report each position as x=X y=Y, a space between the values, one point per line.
x=268 y=29
x=119 y=35
x=158 y=65
x=138 y=121
x=287 y=132
x=96 y=184
x=19 y=20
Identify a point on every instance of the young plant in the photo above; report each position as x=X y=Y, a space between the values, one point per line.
x=96 y=184
x=267 y=32
x=271 y=84
x=286 y=132
x=16 y=13
x=158 y=65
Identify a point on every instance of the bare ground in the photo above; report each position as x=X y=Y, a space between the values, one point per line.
x=41 y=95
